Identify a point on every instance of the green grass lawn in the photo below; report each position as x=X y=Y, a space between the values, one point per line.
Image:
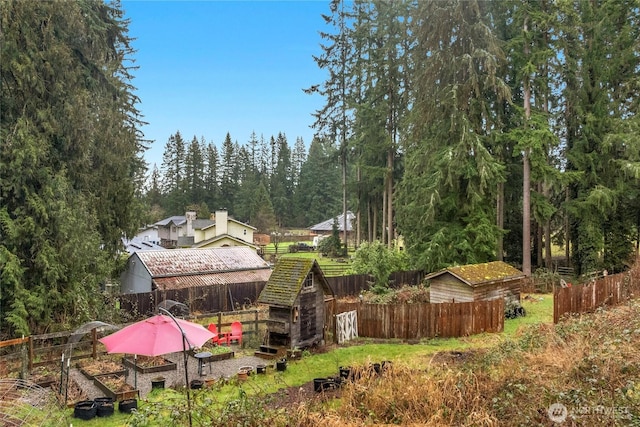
x=363 y=351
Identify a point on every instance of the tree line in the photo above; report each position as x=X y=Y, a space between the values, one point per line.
x=477 y=130
x=266 y=183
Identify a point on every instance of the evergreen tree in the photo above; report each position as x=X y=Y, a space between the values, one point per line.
x=281 y=188
x=600 y=53
x=316 y=193
x=69 y=154
x=173 y=175
x=228 y=183
x=298 y=156
x=194 y=172
x=382 y=41
x=262 y=214
x=447 y=210
x=334 y=120
x=211 y=186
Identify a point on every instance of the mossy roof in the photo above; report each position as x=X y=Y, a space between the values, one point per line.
x=481 y=274
x=286 y=281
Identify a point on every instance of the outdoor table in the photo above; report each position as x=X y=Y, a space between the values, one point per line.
x=203 y=357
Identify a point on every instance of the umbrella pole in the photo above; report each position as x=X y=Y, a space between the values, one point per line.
x=135 y=371
x=184 y=353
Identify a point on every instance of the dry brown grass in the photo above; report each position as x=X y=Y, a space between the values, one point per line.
x=590 y=363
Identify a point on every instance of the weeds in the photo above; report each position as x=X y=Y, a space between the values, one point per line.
x=588 y=363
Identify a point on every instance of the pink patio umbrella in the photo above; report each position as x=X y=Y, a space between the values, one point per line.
x=159 y=335
x=156 y=336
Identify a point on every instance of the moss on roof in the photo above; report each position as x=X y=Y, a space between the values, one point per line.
x=286 y=281
x=488 y=272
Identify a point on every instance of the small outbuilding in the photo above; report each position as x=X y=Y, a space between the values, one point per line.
x=476 y=282
x=296 y=294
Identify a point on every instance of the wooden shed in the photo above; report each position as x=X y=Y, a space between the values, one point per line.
x=476 y=282
x=296 y=294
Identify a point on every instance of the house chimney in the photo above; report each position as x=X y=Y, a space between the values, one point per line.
x=190 y=217
x=221 y=222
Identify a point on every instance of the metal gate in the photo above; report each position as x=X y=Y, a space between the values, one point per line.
x=347 y=326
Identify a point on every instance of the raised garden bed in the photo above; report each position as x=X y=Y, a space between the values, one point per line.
x=148 y=365
x=45 y=375
x=115 y=386
x=90 y=368
x=74 y=393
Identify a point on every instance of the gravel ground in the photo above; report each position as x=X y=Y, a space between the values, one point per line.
x=175 y=378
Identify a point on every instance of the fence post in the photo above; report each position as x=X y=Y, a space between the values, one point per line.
x=24 y=353
x=30 y=352
x=94 y=341
x=255 y=323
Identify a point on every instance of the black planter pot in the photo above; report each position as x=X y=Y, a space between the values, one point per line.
x=104 y=406
x=261 y=369
x=322 y=384
x=377 y=368
x=196 y=384
x=157 y=382
x=319 y=384
x=337 y=382
x=128 y=405
x=281 y=365
x=105 y=410
x=345 y=372
x=85 y=410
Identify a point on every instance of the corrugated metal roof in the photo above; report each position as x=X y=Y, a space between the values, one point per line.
x=181 y=282
x=478 y=274
x=178 y=262
x=286 y=281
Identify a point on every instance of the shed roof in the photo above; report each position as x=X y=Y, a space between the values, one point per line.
x=178 y=262
x=481 y=274
x=176 y=219
x=286 y=280
x=328 y=224
x=138 y=245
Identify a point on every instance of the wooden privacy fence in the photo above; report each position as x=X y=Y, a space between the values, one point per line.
x=353 y=284
x=606 y=291
x=236 y=296
x=206 y=299
x=424 y=320
x=39 y=350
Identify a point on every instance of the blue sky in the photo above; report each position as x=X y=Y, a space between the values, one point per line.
x=211 y=67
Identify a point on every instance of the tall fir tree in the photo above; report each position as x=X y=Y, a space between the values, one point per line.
x=447 y=209
x=69 y=155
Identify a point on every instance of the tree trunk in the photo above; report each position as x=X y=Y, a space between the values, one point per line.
x=500 y=221
x=383 y=232
x=390 y=155
x=526 y=175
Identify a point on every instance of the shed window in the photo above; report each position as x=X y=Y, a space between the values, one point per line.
x=308 y=281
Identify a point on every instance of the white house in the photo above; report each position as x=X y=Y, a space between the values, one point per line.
x=218 y=231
